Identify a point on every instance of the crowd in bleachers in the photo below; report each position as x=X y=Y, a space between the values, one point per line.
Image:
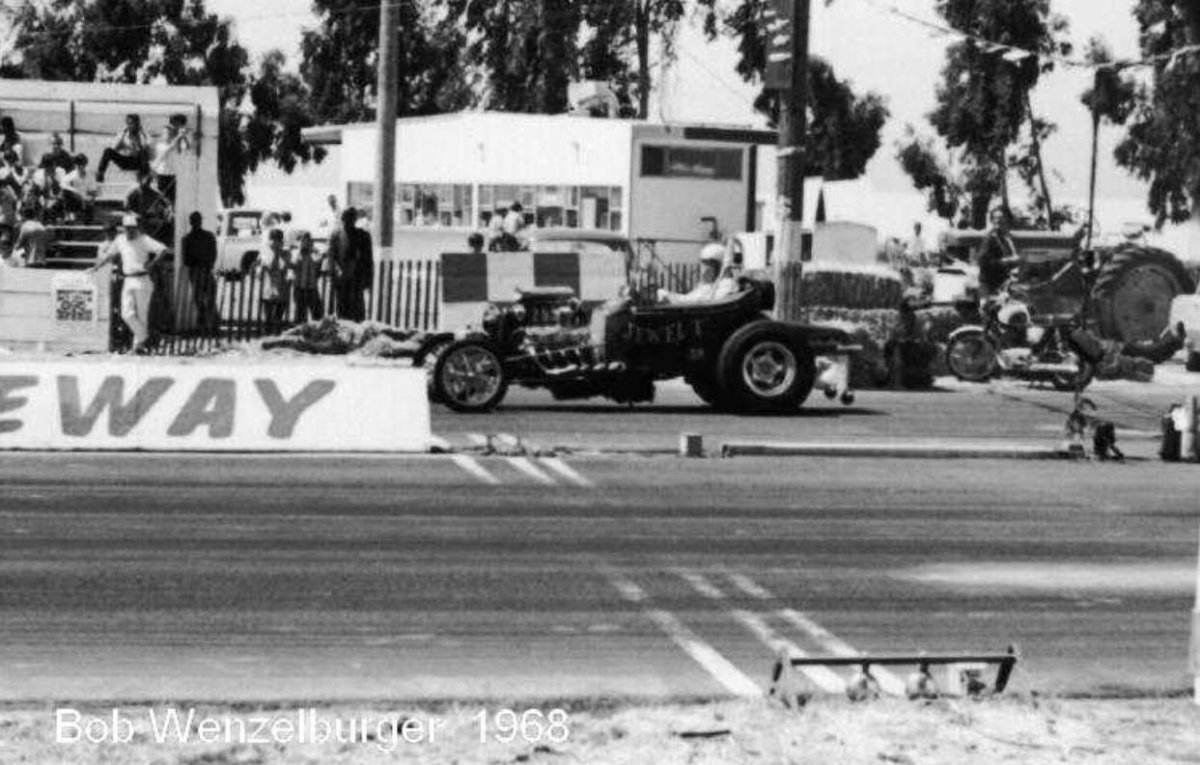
x=41 y=195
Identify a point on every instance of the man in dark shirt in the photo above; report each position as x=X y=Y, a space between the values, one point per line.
x=199 y=257
x=350 y=253
x=999 y=254
x=152 y=208
x=57 y=158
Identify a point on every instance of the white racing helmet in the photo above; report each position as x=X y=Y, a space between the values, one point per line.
x=712 y=253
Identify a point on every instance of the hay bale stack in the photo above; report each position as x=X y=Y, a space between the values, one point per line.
x=864 y=288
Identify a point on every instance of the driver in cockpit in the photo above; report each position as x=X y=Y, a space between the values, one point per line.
x=716 y=280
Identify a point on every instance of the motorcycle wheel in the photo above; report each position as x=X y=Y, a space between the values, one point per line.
x=1079 y=380
x=971 y=357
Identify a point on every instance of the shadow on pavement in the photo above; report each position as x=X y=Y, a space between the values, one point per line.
x=806 y=413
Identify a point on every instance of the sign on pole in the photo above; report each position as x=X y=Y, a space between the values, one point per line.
x=780 y=24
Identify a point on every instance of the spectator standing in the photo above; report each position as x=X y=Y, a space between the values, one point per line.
x=514 y=227
x=916 y=252
x=290 y=232
x=130 y=149
x=137 y=254
x=307 y=268
x=57 y=159
x=167 y=151
x=199 y=258
x=10 y=139
x=152 y=208
x=274 y=265
x=352 y=258
x=33 y=240
x=999 y=254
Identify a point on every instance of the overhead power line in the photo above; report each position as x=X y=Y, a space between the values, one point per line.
x=1016 y=54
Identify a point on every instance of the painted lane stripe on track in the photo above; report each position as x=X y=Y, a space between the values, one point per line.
x=528 y=468
x=889 y=682
x=721 y=669
x=567 y=472
x=700 y=584
x=749 y=586
x=824 y=677
x=472 y=466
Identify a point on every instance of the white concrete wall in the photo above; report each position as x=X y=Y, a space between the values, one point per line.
x=672 y=208
x=497 y=148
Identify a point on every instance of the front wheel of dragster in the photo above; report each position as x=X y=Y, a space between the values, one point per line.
x=469 y=377
x=763 y=368
x=971 y=355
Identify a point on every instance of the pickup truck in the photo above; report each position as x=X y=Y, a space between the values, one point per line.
x=239 y=239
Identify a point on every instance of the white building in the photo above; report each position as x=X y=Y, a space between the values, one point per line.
x=670 y=183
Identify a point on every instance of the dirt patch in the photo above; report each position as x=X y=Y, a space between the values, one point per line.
x=1018 y=730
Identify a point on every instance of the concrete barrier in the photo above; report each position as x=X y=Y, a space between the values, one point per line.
x=159 y=404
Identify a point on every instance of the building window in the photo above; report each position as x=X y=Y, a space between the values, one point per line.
x=687 y=162
x=556 y=206
x=434 y=204
x=361 y=196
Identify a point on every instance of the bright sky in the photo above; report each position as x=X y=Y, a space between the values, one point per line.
x=866 y=44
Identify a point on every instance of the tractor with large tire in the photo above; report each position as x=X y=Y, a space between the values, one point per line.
x=1132 y=284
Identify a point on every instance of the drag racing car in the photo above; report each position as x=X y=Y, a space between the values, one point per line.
x=731 y=352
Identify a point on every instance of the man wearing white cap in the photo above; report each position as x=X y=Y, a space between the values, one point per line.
x=137 y=253
x=715 y=280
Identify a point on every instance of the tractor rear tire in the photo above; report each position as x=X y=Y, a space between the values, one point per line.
x=762 y=368
x=1132 y=296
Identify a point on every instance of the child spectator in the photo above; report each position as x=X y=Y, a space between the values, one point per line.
x=307 y=269
x=129 y=150
x=274 y=266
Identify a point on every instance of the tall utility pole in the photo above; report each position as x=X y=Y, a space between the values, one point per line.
x=385 y=117
x=787 y=23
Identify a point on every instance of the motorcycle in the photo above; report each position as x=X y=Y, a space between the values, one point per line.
x=1035 y=332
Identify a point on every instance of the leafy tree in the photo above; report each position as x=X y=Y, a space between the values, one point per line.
x=1109 y=99
x=623 y=33
x=983 y=100
x=527 y=49
x=1162 y=145
x=844 y=127
x=172 y=41
x=339 y=60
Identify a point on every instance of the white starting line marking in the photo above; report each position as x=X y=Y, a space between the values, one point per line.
x=528 y=468
x=567 y=472
x=473 y=467
x=720 y=668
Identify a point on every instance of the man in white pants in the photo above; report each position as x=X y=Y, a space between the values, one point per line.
x=137 y=253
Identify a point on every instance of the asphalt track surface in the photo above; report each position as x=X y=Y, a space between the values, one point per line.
x=175 y=577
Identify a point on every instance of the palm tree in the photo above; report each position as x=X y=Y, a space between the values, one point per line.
x=1111 y=99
